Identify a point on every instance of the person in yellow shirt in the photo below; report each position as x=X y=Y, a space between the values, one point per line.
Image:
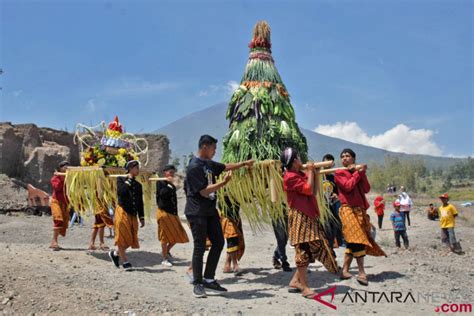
x=447 y=214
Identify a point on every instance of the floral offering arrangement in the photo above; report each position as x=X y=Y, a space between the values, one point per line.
x=105 y=150
x=114 y=149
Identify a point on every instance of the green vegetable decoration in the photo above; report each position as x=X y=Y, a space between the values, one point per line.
x=261 y=124
x=261 y=117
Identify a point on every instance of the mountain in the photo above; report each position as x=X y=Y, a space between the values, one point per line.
x=184 y=134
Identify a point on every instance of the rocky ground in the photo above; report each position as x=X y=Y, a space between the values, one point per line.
x=34 y=279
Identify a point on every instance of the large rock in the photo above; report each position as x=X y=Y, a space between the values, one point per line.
x=31 y=153
x=158 y=151
x=42 y=163
x=62 y=138
x=24 y=148
x=10 y=150
x=31 y=138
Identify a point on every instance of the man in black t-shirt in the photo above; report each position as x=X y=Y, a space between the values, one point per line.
x=201 y=211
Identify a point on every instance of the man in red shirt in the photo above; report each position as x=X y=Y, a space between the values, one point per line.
x=59 y=206
x=353 y=185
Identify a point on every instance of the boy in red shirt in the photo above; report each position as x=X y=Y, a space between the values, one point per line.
x=59 y=206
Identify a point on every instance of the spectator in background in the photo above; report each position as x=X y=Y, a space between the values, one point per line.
x=406 y=204
x=432 y=212
x=398 y=223
x=447 y=221
x=379 y=204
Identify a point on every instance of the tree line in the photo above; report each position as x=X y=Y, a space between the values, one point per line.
x=416 y=177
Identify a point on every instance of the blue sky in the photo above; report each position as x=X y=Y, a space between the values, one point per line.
x=374 y=72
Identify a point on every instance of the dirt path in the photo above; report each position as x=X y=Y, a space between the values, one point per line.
x=34 y=279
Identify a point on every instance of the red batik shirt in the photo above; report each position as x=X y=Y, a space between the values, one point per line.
x=299 y=194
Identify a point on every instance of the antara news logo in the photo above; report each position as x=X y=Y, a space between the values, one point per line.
x=395 y=297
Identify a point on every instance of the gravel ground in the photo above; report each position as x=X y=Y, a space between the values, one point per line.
x=34 y=279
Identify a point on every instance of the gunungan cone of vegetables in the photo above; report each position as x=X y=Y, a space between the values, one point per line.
x=261 y=118
x=261 y=124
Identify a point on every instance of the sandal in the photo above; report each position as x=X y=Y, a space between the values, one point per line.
x=294 y=290
x=104 y=248
x=363 y=281
x=310 y=296
x=92 y=248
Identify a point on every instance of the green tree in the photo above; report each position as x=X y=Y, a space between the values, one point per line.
x=447 y=184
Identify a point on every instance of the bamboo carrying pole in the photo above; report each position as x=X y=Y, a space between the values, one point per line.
x=115 y=176
x=332 y=170
x=321 y=164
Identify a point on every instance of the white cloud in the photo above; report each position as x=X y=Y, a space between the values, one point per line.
x=400 y=138
x=137 y=87
x=226 y=89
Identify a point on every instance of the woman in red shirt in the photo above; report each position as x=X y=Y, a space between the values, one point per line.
x=59 y=206
x=379 y=205
x=305 y=231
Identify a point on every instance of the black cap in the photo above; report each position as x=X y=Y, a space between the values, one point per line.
x=206 y=140
x=63 y=164
x=328 y=157
x=169 y=167
x=132 y=163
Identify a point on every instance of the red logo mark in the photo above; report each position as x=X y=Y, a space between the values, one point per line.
x=332 y=291
x=454 y=308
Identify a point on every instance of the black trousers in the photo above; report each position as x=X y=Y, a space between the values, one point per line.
x=380 y=221
x=281 y=235
x=203 y=227
x=357 y=250
x=403 y=234
x=333 y=230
